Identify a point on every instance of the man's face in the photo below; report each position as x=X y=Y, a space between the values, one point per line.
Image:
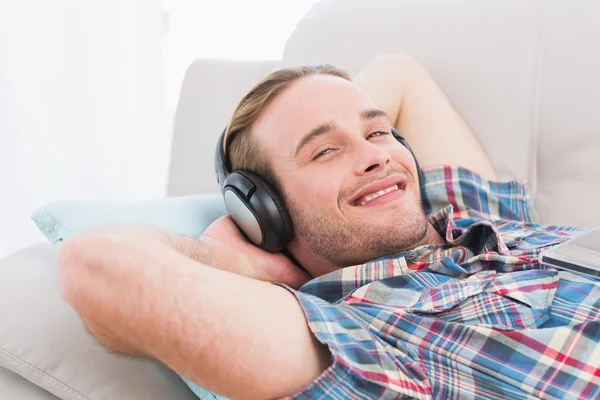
x=351 y=188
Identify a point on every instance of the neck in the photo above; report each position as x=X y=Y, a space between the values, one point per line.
x=317 y=266
x=431 y=237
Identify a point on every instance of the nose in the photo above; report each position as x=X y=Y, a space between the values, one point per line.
x=371 y=158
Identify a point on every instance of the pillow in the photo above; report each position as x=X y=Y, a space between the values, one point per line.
x=186 y=215
x=43 y=340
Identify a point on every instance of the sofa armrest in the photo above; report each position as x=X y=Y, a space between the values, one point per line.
x=210 y=92
x=44 y=341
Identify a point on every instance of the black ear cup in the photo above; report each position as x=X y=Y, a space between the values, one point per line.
x=258 y=210
x=287 y=227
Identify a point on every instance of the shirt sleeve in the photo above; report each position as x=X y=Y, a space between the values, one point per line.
x=364 y=365
x=472 y=196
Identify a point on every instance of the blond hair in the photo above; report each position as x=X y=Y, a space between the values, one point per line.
x=240 y=148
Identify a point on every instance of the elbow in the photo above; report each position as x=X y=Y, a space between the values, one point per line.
x=98 y=252
x=73 y=257
x=78 y=261
x=90 y=247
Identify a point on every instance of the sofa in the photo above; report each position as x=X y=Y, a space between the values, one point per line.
x=523 y=73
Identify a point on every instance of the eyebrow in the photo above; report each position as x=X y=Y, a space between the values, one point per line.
x=327 y=127
x=373 y=113
x=313 y=134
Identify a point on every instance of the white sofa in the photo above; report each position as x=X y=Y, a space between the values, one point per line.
x=523 y=73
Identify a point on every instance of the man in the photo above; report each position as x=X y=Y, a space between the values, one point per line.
x=449 y=305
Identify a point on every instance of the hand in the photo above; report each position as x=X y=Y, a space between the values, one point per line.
x=227 y=241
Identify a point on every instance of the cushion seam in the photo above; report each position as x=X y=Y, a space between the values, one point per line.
x=22 y=363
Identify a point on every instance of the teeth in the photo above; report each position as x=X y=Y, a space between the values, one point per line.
x=375 y=195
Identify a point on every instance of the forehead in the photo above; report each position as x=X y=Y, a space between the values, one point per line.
x=305 y=104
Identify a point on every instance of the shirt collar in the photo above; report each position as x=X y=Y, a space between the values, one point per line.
x=443 y=222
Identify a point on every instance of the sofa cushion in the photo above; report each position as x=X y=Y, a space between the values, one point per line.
x=14 y=386
x=43 y=340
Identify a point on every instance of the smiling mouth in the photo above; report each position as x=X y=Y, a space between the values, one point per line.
x=366 y=199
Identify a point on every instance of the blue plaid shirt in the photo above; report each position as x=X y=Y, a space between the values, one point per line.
x=476 y=318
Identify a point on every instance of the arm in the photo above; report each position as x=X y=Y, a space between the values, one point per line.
x=222 y=246
x=423 y=114
x=237 y=336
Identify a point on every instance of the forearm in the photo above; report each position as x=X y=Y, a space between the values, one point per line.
x=250 y=341
x=237 y=336
x=197 y=249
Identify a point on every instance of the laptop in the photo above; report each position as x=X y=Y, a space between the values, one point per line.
x=580 y=254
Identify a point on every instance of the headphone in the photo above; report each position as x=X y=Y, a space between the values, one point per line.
x=256 y=208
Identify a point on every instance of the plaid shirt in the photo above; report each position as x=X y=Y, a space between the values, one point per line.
x=479 y=317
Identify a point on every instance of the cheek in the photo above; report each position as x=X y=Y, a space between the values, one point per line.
x=404 y=157
x=321 y=188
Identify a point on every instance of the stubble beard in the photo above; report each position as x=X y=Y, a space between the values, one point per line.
x=356 y=241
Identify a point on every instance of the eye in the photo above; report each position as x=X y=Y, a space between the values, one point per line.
x=377 y=133
x=322 y=153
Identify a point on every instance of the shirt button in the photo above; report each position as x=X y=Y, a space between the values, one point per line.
x=469 y=288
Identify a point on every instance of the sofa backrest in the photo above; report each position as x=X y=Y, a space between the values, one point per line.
x=525 y=74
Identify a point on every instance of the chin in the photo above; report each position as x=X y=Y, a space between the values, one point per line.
x=403 y=224
x=389 y=214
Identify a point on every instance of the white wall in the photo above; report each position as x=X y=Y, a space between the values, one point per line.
x=82 y=112
x=224 y=29
x=88 y=90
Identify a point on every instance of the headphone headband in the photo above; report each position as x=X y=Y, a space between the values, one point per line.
x=221 y=165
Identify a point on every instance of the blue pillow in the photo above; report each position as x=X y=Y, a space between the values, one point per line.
x=187 y=215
